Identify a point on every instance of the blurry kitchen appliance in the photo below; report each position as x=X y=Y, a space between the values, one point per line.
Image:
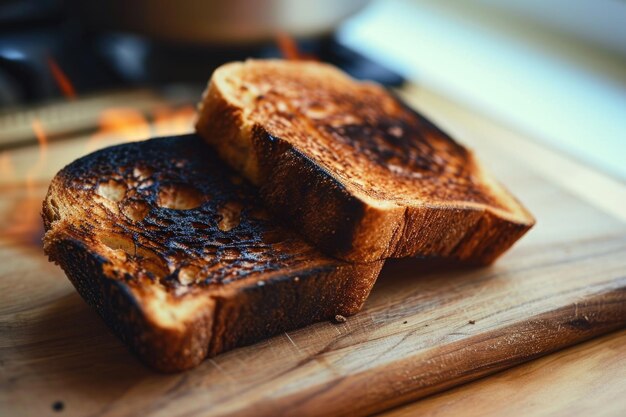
x=115 y=45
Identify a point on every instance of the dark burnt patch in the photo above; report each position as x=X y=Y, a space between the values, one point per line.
x=395 y=145
x=181 y=218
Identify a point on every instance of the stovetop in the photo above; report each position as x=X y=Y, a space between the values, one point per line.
x=40 y=44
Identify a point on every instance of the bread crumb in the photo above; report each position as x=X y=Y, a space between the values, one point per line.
x=58 y=406
x=296 y=279
x=260 y=283
x=340 y=319
x=472 y=322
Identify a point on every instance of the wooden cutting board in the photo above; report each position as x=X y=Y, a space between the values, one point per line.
x=427 y=326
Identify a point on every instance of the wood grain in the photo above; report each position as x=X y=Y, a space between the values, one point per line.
x=427 y=326
x=574 y=381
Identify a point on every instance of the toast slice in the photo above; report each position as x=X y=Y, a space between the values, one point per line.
x=362 y=176
x=176 y=254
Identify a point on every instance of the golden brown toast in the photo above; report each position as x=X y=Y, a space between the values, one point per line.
x=360 y=174
x=176 y=254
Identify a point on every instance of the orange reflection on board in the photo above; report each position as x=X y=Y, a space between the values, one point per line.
x=170 y=121
x=22 y=222
x=119 y=124
x=7 y=170
x=42 y=158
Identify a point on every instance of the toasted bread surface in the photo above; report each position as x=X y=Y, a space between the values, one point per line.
x=361 y=174
x=176 y=253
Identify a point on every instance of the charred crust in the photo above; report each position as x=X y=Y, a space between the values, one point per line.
x=429 y=125
x=286 y=304
x=164 y=350
x=299 y=190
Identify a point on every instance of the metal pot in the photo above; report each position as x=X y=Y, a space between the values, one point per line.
x=218 y=22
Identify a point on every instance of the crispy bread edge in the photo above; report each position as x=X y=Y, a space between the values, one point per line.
x=167 y=350
x=290 y=302
x=241 y=318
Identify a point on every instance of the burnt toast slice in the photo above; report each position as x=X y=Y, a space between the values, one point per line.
x=177 y=255
x=363 y=176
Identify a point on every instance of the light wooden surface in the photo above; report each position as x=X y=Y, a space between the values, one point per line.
x=585 y=380
x=425 y=328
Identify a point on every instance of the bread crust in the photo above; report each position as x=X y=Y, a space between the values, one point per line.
x=339 y=217
x=165 y=349
x=168 y=325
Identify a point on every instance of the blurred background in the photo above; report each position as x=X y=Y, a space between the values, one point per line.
x=554 y=70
